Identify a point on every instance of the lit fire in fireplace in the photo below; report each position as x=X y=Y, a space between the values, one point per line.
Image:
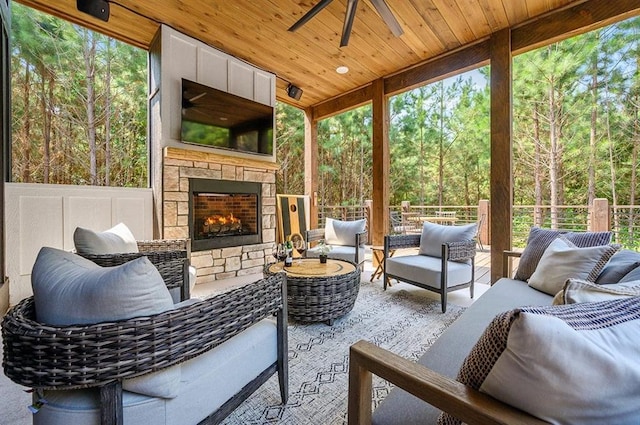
x=221 y=224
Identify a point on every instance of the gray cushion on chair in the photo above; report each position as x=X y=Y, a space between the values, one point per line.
x=338 y=232
x=71 y=290
x=339 y=253
x=434 y=235
x=116 y=240
x=427 y=270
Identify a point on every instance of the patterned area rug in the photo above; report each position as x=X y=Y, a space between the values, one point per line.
x=402 y=322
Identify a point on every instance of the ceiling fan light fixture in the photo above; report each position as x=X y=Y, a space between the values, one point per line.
x=342 y=69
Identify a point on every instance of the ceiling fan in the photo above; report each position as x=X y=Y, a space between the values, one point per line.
x=380 y=5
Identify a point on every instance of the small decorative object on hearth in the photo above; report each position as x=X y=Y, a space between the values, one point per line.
x=323 y=250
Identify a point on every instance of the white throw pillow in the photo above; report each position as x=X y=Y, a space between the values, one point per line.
x=563 y=260
x=582 y=291
x=434 y=235
x=71 y=290
x=116 y=240
x=573 y=364
x=338 y=232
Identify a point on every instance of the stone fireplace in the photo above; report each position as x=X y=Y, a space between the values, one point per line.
x=226 y=205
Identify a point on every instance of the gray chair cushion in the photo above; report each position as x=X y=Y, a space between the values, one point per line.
x=434 y=235
x=71 y=290
x=338 y=232
x=619 y=265
x=339 y=252
x=116 y=240
x=427 y=270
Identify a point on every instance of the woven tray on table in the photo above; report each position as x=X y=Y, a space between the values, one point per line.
x=65 y=357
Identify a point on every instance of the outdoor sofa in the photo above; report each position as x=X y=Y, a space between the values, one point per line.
x=593 y=383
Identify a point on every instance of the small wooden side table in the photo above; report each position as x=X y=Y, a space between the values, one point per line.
x=378 y=254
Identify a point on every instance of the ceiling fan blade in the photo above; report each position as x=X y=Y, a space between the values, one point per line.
x=387 y=16
x=348 y=22
x=310 y=14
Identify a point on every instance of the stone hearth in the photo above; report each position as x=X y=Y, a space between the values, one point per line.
x=179 y=166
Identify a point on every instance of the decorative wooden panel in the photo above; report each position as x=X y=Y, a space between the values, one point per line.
x=293 y=215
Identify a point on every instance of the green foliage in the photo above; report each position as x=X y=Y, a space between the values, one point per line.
x=54 y=65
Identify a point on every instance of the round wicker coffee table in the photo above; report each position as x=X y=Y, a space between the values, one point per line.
x=319 y=292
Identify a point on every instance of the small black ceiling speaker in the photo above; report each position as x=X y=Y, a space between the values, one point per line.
x=294 y=92
x=96 y=8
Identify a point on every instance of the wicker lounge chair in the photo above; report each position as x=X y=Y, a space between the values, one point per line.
x=170 y=256
x=47 y=357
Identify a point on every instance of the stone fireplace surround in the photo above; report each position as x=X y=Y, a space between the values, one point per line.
x=223 y=263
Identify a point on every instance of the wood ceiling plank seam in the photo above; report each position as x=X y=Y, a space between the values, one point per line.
x=516 y=11
x=476 y=17
x=495 y=13
x=372 y=20
x=536 y=8
x=418 y=31
x=456 y=20
x=437 y=23
x=354 y=59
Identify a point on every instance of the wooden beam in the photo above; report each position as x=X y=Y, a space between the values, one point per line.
x=501 y=149
x=342 y=103
x=311 y=165
x=381 y=163
x=566 y=23
x=465 y=59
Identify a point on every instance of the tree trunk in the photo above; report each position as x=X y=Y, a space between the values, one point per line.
x=26 y=168
x=635 y=157
x=612 y=168
x=89 y=52
x=538 y=211
x=553 y=156
x=441 y=150
x=591 y=190
x=107 y=122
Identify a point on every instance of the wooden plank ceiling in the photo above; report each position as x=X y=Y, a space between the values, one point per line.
x=256 y=31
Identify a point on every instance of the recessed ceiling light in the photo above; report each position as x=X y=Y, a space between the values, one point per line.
x=342 y=70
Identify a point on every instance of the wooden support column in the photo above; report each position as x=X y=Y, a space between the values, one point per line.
x=600 y=220
x=501 y=149
x=311 y=165
x=380 y=211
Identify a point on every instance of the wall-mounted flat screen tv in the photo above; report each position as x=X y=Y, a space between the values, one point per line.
x=214 y=118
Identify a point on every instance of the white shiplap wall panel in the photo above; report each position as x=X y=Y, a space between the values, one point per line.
x=39 y=215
